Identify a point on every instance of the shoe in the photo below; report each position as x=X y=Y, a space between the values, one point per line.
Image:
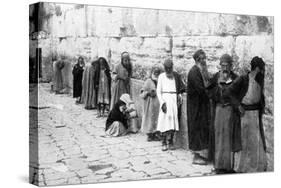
x=149 y=138
x=164 y=147
x=171 y=147
x=156 y=137
x=199 y=161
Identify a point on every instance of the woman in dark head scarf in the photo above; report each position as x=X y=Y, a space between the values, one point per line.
x=116 y=123
x=121 y=78
x=104 y=83
x=77 y=73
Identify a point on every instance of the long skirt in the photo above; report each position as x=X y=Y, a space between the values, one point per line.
x=116 y=129
x=252 y=157
x=223 y=137
x=150 y=115
x=89 y=94
x=169 y=120
x=57 y=78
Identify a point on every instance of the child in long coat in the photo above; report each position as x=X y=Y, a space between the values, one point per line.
x=150 y=106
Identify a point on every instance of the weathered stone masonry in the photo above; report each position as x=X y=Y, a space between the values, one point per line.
x=150 y=36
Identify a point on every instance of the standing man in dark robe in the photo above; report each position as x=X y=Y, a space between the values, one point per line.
x=77 y=73
x=247 y=95
x=226 y=117
x=198 y=112
x=121 y=75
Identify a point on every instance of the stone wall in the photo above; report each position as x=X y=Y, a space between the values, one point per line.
x=151 y=35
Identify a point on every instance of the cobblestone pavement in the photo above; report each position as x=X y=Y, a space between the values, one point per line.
x=74 y=149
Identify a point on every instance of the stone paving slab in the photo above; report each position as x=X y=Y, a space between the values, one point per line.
x=74 y=149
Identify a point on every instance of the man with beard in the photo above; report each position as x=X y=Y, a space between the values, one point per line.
x=169 y=90
x=225 y=117
x=246 y=94
x=198 y=112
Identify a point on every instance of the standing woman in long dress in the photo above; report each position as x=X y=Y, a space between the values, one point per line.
x=150 y=105
x=77 y=73
x=104 y=88
x=121 y=78
x=90 y=85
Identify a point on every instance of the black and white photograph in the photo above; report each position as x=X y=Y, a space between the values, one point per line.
x=128 y=93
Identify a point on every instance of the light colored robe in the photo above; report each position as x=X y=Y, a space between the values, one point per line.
x=252 y=157
x=169 y=120
x=150 y=107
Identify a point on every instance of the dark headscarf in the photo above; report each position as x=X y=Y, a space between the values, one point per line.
x=258 y=62
x=116 y=115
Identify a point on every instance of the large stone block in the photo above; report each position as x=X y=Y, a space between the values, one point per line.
x=108 y=21
x=90 y=20
x=246 y=47
x=75 y=22
x=214 y=46
x=184 y=23
x=146 y=22
x=269 y=89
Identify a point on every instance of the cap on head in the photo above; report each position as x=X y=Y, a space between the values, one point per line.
x=125 y=54
x=168 y=63
x=226 y=59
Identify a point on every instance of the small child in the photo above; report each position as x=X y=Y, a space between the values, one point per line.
x=103 y=87
x=151 y=106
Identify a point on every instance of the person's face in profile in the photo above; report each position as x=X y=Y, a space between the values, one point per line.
x=126 y=59
x=154 y=76
x=202 y=60
x=122 y=108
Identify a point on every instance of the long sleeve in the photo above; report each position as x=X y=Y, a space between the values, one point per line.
x=196 y=81
x=159 y=90
x=181 y=87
